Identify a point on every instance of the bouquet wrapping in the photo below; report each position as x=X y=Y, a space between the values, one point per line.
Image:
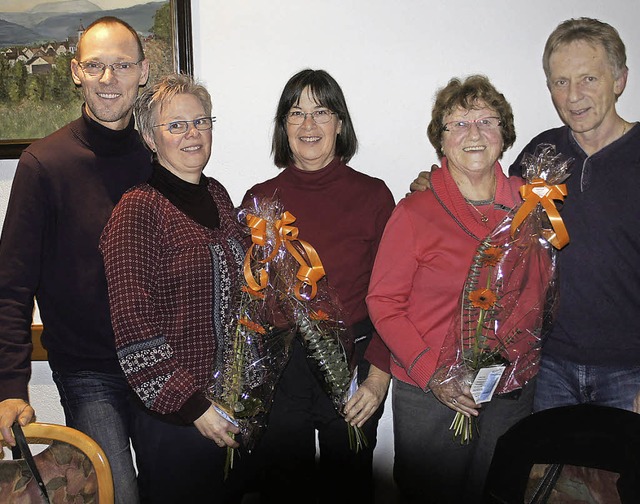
x=509 y=296
x=329 y=347
x=283 y=293
x=254 y=350
x=314 y=310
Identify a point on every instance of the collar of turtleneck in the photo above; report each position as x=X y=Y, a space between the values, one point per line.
x=192 y=199
x=317 y=179
x=103 y=141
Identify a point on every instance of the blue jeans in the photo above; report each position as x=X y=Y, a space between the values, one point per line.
x=562 y=383
x=98 y=405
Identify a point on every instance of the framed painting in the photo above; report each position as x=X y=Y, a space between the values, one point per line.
x=38 y=40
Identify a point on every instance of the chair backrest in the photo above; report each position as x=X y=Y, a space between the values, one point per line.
x=582 y=436
x=72 y=464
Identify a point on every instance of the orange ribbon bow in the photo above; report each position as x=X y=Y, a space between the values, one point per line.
x=538 y=191
x=311 y=269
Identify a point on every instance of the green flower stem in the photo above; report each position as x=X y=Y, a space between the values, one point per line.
x=462 y=426
x=228 y=463
x=327 y=350
x=476 y=340
x=357 y=438
x=236 y=379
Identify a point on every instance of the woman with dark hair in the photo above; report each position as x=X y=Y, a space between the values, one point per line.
x=342 y=213
x=420 y=269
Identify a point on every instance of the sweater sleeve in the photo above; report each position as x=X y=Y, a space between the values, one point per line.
x=377 y=352
x=21 y=246
x=131 y=245
x=388 y=299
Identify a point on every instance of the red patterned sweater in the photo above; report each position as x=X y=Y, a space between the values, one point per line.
x=171 y=282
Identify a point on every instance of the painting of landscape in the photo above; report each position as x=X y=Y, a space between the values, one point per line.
x=37 y=94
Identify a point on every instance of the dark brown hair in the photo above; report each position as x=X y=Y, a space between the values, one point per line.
x=327 y=93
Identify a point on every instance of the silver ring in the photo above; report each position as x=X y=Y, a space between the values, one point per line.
x=453 y=401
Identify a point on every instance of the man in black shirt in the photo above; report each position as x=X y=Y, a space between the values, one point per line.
x=592 y=354
x=62 y=195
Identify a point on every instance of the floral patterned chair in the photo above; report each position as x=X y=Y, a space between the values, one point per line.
x=73 y=467
x=573 y=454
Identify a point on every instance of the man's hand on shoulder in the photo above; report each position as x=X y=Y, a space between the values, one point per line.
x=10 y=411
x=423 y=181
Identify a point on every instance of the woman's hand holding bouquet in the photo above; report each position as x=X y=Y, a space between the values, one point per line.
x=509 y=297
x=284 y=293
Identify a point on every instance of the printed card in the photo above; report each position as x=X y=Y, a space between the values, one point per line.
x=486 y=382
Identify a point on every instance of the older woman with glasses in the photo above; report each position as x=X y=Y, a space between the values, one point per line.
x=419 y=272
x=173 y=251
x=342 y=213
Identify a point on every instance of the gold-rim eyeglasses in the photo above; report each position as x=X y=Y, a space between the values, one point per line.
x=483 y=124
x=297 y=117
x=180 y=127
x=97 y=68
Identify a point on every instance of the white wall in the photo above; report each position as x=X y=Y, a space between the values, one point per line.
x=389 y=57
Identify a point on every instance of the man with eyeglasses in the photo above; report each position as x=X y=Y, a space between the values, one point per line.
x=592 y=352
x=64 y=190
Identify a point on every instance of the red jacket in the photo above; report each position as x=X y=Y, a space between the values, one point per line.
x=421 y=266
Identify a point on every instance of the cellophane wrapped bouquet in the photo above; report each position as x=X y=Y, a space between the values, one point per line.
x=329 y=347
x=313 y=308
x=283 y=294
x=255 y=349
x=509 y=296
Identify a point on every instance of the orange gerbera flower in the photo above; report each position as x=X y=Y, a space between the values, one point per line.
x=319 y=315
x=491 y=256
x=252 y=325
x=254 y=293
x=483 y=298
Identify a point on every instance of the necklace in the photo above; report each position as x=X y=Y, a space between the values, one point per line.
x=476 y=203
x=473 y=204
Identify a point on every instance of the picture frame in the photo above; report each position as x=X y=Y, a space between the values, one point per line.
x=182 y=42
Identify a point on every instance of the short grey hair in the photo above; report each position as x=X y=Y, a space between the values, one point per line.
x=593 y=32
x=161 y=93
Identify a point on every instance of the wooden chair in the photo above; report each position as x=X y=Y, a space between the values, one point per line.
x=562 y=454
x=72 y=464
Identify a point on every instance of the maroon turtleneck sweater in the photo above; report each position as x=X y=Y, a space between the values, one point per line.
x=342 y=213
x=63 y=192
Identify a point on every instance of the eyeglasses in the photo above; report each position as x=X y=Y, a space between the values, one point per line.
x=483 y=124
x=297 y=117
x=179 y=127
x=97 y=68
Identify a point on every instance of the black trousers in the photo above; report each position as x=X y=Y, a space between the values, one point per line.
x=288 y=468
x=177 y=464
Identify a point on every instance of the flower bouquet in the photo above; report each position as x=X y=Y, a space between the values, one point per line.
x=509 y=296
x=277 y=299
x=315 y=311
x=329 y=345
x=255 y=348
